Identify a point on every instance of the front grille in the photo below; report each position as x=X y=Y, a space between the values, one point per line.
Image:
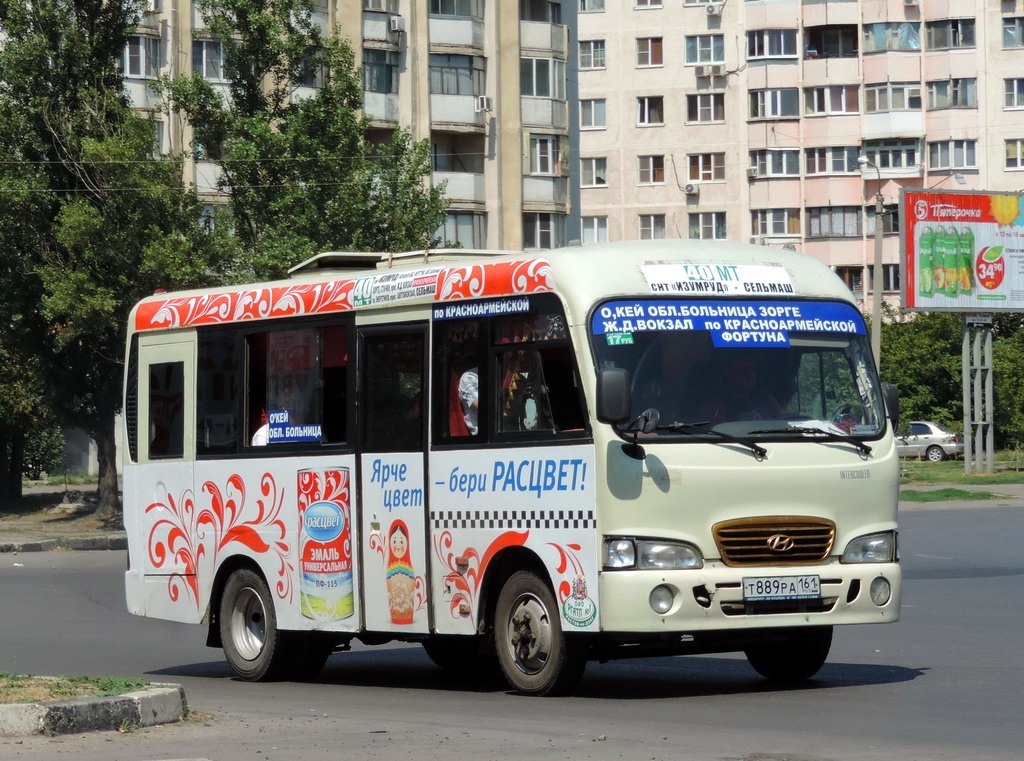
x=776 y=540
x=775 y=607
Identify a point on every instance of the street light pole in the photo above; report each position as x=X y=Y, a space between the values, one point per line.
x=876 y=277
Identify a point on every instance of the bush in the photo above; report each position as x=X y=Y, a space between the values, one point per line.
x=44 y=451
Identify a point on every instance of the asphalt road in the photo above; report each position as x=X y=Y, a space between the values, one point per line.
x=947 y=682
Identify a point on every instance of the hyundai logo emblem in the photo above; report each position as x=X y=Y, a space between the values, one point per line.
x=780 y=543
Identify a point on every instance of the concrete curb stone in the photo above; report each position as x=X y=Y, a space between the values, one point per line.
x=157 y=704
x=116 y=540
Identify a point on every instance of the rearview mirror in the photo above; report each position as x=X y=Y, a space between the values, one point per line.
x=892 y=404
x=613 y=396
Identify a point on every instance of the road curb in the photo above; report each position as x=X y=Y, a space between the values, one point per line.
x=157 y=704
x=114 y=541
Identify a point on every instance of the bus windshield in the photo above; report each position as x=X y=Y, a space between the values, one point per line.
x=752 y=368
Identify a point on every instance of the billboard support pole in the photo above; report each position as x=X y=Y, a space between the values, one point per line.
x=978 y=386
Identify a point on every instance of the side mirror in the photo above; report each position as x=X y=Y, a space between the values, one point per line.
x=892 y=404
x=613 y=396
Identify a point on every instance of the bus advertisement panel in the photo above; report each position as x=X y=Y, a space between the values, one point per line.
x=962 y=252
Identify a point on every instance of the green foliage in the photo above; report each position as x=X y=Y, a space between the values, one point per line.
x=921 y=357
x=44 y=451
x=302 y=174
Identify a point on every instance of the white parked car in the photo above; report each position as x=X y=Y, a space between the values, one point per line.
x=930 y=440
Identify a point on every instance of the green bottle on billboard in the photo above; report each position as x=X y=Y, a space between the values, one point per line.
x=925 y=262
x=939 y=260
x=951 y=261
x=966 y=257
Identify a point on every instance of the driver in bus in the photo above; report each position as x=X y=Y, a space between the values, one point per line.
x=742 y=396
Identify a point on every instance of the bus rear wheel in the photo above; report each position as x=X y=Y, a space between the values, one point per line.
x=798 y=656
x=253 y=645
x=535 y=655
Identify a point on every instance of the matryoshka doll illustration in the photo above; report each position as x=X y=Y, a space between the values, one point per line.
x=401 y=579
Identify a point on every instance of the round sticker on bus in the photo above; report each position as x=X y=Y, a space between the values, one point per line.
x=324 y=521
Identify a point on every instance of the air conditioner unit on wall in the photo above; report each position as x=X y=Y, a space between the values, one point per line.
x=752 y=173
x=483 y=104
x=691 y=189
x=396 y=24
x=702 y=71
x=713 y=9
x=910 y=2
x=716 y=71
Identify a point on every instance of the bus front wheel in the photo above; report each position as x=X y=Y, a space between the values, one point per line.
x=798 y=656
x=535 y=655
x=253 y=645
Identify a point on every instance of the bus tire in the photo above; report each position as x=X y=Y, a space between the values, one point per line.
x=535 y=655
x=253 y=645
x=798 y=657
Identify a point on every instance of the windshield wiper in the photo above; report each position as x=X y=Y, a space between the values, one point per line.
x=703 y=428
x=822 y=434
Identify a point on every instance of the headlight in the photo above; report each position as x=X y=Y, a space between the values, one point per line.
x=650 y=554
x=619 y=553
x=871 y=548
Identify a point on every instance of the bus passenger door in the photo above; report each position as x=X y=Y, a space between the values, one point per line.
x=392 y=398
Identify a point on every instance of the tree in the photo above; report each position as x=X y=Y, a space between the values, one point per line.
x=302 y=174
x=100 y=222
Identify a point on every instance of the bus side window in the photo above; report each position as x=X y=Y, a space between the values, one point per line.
x=166 y=409
x=459 y=369
x=335 y=384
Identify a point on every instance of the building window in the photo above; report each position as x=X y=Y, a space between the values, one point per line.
x=952 y=93
x=707 y=225
x=544 y=11
x=775 y=221
x=158 y=138
x=463 y=228
x=890 y=275
x=543 y=154
x=834 y=41
x=648 y=3
x=380 y=70
x=542 y=78
x=832 y=99
x=949 y=33
x=391 y=6
x=652 y=226
x=594 y=229
x=456 y=74
x=1013 y=32
x=890 y=219
x=771 y=43
x=706 y=167
x=776 y=162
x=461 y=8
x=953 y=154
x=705 y=48
x=892 y=96
x=591 y=5
x=832 y=160
x=648 y=51
x=542 y=230
x=853 y=277
x=141 y=57
x=900 y=35
x=652 y=170
x=208 y=59
x=594 y=172
x=1014 y=89
x=592 y=54
x=834 y=222
x=898 y=153
x=709 y=107
x=774 y=104
x=592 y=114
x=1015 y=154
x=650 y=110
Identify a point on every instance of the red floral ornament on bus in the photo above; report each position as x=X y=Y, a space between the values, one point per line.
x=498 y=279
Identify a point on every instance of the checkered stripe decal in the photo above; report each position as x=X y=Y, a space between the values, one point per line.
x=508 y=519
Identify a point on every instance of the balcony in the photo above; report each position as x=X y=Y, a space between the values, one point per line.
x=457 y=112
x=381 y=106
x=546 y=113
x=208 y=174
x=456 y=32
x=545 y=193
x=892 y=124
x=141 y=93
x=463 y=187
x=550 y=39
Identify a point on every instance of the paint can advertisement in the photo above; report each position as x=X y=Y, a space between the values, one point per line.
x=325 y=544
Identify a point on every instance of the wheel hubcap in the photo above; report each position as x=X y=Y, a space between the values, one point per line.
x=249 y=624
x=529 y=634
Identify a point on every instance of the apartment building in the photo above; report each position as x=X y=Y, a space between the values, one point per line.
x=745 y=119
x=484 y=81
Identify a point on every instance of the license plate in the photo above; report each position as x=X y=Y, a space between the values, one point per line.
x=781 y=587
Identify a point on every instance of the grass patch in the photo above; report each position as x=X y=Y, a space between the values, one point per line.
x=1008 y=470
x=18 y=688
x=944 y=495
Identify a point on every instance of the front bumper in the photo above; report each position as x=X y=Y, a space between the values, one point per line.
x=711 y=599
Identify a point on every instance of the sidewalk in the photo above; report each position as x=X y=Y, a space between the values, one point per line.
x=52 y=518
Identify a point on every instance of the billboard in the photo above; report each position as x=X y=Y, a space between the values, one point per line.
x=962 y=251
